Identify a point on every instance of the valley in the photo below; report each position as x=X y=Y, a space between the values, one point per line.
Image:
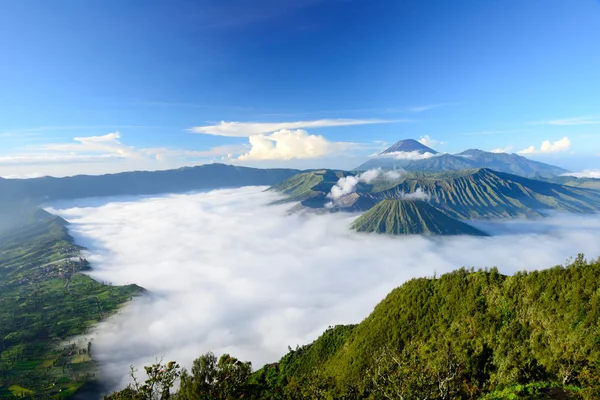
x=43 y=286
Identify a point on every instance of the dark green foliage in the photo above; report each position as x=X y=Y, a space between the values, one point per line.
x=224 y=379
x=160 y=379
x=410 y=217
x=469 y=333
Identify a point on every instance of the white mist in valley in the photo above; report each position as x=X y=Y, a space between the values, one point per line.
x=226 y=272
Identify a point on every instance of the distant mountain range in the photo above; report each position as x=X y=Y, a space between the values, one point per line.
x=209 y=176
x=411 y=155
x=410 y=217
x=19 y=196
x=468 y=194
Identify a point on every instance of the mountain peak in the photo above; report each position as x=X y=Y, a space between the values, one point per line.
x=408 y=146
x=410 y=217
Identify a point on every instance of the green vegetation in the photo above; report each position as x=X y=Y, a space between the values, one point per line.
x=485 y=194
x=410 y=217
x=44 y=301
x=465 y=335
x=309 y=187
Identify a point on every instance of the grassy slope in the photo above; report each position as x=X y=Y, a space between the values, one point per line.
x=308 y=186
x=405 y=217
x=484 y=194
x=44 y=300
x=502 y=334
x=467 y=194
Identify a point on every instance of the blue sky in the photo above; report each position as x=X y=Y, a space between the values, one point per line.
x=105 y=86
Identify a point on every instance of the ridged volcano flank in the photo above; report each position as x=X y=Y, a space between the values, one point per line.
x=408 y=217
x=408 y=146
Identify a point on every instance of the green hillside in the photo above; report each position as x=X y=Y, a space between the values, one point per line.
x=468 y=335
x=306 y=185
x=408 y=217
x=43 y=301
x=467 y=194
x=484 y=194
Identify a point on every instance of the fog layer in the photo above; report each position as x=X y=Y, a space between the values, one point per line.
x=228 y=273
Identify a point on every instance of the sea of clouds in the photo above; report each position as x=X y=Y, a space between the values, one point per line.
x=226 y=272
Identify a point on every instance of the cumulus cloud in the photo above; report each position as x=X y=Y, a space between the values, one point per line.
x=499 y=150
x=226 y=273
x=286 y=145
x=589 y=120
x=588 y=173
x=246 y=129
x=429 y=142
x=549 y=147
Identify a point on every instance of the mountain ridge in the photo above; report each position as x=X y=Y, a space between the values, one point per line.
x=410 y=217
x=207 y=176
x=479 y=193
x=415 y=159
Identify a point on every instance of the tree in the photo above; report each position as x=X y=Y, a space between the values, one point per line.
x=224 y=379
x=157 y=386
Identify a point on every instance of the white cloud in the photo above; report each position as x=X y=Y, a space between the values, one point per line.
x=343 y=187
x=109 y=148
x=409 y=155
x=108 y=144
x=588 y=173
x=590 y=120
x=429 y=142
x=83 y=149
x=548 y=147
x=287 y=145
x=498 y=150
x=347 y=184
x=23 y=176
x=246 y=129
x=418 y=109
x=226 y=273
x=418 y=194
